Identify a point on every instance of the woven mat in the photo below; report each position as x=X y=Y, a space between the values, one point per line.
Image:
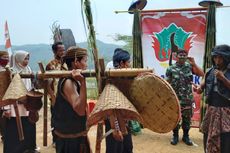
x=157 y=103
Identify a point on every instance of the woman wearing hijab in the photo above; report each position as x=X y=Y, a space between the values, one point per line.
x=12 y=143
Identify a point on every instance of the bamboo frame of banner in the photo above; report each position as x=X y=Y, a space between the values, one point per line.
x=167 y=10
x=209 y=44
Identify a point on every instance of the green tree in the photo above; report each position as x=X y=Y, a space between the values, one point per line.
x=128 y=40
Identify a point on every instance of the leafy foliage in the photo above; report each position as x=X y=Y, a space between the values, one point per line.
x=128 y=40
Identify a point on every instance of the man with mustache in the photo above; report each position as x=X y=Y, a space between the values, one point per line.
x=180 y=76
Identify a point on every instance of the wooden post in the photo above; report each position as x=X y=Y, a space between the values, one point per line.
x=19 y=122
x=45 y=107
x=100 y=130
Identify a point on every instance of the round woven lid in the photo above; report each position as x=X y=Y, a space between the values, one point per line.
x=156 y=101
x=16 y=89
x=110 y=99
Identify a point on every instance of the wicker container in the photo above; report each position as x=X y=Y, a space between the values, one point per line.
x=4 y=82
x=112 y=99
x=157 y=103
x=34 y=101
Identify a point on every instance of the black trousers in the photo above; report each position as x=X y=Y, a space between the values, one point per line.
x=2 y=125
x=72 y=145
x=12 y=144
x=114 y=146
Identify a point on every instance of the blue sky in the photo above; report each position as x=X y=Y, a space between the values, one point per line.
x=30 y=20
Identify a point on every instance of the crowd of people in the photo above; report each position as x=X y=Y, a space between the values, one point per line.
x=68 y=98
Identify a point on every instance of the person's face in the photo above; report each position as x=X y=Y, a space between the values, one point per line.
x=125 y=64
x=26 y=61
x=4 y=60
x=82 y=64
x=182 y=57
x=219 y=61
x=60 y=51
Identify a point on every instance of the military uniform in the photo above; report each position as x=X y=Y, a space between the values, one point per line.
x=180 y=78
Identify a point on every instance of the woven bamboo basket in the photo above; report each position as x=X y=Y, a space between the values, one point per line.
x=4 y=82
x=112 y=99
x=157 y=103
x=34 y=101
x=15 y=91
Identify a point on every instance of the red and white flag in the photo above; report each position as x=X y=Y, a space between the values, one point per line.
x=8 y=42
x=7 y=37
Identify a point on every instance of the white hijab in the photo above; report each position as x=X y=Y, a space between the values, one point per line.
x=18 y=58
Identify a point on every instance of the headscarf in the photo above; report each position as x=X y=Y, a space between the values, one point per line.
x=75 y=51
x=18 y=59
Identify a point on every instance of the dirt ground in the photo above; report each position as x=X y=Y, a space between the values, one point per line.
x=146 y=142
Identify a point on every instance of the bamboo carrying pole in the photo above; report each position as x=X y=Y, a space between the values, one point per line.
x=111 y=73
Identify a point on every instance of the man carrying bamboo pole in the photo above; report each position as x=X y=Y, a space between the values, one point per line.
x=118 y=143
x=69 y=110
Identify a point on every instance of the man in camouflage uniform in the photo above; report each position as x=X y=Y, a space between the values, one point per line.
x=55 y=64
x=180 y=76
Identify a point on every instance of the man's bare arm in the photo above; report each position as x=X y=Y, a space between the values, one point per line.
x=195 y=68
x=77 y=101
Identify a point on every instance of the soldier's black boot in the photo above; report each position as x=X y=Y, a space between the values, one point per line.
x=175 y=138
x=186 y=138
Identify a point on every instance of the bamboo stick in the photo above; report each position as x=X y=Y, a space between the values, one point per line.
x=129 y=72
x=168 y=10
x=45 y=118
x=19 y=122
x=45 y=111
x=100 y=129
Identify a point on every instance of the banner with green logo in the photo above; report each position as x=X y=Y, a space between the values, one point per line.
x=189 y=28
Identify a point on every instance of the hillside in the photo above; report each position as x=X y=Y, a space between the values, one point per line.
x=43 y=52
